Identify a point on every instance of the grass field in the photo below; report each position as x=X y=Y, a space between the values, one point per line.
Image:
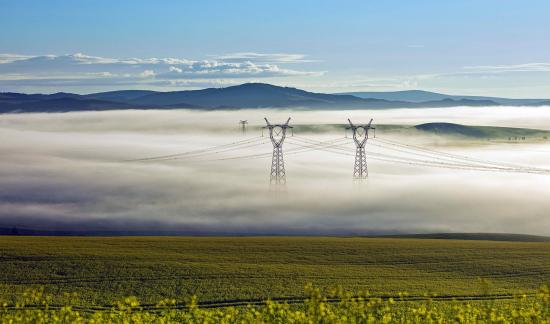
x=101 y=270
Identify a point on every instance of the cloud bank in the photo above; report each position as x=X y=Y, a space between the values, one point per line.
x=78 y=69
x=67 y=172
x=526 y=67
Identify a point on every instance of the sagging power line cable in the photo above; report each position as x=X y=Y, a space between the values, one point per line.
x=291 y=151
x=417 y=162
x=447 y=159
x=209 y=153
x=195 y=152
x=456 y=156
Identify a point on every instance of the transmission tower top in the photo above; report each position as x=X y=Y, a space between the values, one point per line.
x=277 y=132
x=243 y=124
x=361 y=132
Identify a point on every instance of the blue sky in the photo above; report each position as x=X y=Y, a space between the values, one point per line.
x=487 y=47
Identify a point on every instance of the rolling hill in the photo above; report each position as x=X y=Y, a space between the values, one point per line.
x=62 y=105
x=482 y=131
x=419 y=96
x=122 y=95
x=451 y=129
x=255 y=95
x=248 y=95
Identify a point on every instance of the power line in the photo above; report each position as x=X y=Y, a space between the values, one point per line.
x=428 y=157
x=449 y=155
x=213 y=148
x=292 y=151
x=417 y=162
x=231 y=149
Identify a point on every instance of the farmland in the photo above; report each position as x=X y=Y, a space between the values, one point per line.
x=101 y=270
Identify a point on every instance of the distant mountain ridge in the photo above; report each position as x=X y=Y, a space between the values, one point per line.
x=248 y=95
x=419 y=96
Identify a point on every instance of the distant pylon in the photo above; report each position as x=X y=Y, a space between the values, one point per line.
x=277 y=133
x=360 y=136
x=243 y=124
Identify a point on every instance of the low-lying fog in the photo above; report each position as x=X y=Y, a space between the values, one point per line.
x=68 y=172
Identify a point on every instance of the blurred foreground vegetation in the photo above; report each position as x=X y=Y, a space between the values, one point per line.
x=341 y=307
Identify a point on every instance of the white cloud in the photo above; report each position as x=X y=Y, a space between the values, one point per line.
x=525 y=67
x=175 y=69
x=7 y=58
x=101 y=74
x=281 y=58
x=147 y=74
x=80 y=69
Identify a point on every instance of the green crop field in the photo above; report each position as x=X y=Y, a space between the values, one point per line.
x=101 y=270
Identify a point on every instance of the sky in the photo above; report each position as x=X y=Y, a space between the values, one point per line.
x=490 y=47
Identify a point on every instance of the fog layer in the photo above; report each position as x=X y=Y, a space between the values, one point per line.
x=71 y=171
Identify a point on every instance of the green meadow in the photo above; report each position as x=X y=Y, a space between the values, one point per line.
x=101 y=270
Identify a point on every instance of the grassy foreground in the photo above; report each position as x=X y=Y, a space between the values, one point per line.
x=101 y=270
x=35 y=308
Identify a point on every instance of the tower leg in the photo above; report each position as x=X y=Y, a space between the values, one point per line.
x=360 y=168
x=278 y=174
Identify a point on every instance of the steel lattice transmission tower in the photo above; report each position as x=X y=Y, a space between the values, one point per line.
x=243 y=124
x=277 y=133
x=360 y=136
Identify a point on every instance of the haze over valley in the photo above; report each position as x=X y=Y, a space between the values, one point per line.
x=70 y=173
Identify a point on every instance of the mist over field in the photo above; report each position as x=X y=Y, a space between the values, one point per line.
x=68 y=171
